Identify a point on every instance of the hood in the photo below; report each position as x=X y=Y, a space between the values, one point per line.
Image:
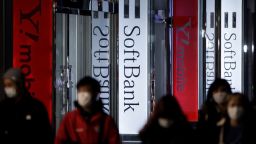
x=14 y=75
x=18 y=77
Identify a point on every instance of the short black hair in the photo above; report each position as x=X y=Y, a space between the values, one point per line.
x=89 y=81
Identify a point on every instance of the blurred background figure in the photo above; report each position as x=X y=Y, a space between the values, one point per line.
x=167 y=125
x=88 y=124
x=239 y=127
x=253 y=105
x=24 y=120
x=213 y=112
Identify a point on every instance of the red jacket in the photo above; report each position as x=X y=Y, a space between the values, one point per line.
x=78 y=129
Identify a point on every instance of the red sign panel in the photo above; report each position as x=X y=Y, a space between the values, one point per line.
x=185 y=56
x=32 y=46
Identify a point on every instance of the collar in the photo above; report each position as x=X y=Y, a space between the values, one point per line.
x=96 y=109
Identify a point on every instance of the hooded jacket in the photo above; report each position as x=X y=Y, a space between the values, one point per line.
x=80 y=127
x=24 y=120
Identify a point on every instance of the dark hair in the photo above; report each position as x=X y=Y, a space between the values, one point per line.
x=218 y=84
x=241 y=98
x=244 y=101
x=166 y=107
x=89 y=81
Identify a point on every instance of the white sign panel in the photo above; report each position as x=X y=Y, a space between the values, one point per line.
x=231 y=43
x=101 y=54
x=133 y=65
x=210 y=44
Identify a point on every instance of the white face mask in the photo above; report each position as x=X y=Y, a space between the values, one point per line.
x=220 y=97
x=235 y=112
x=10 y=92
x=84 y=99
x=164 y=123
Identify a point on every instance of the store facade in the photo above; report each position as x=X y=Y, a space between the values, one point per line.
x=138 y=50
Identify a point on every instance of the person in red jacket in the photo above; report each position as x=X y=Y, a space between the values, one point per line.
x=88 y=124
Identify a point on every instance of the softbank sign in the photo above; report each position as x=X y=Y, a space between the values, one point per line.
x=231 y=43
x=133 y=65
x=101 y=52
x=210 y=44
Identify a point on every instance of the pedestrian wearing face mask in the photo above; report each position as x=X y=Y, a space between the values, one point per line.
x=213 y=112
x=88 y=124
x=167 y=124
x=239 y=127
x=24 y=120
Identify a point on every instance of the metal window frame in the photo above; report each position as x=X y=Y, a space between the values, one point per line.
x=87 y=68
x=6 y=44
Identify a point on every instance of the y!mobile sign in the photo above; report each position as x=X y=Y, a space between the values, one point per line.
x=133 y=65
x=101 y=52
x=231 y=43
x=185 y=56
x=32 y=46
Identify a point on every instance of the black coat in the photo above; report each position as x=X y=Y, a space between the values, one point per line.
x=207 y=127
x=24 y=121
x=176 y=134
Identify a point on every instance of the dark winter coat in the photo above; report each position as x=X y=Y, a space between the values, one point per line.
x=213 y=128
x=176 y=134
x=207 y=127
x=24 y=121
x=244 y=134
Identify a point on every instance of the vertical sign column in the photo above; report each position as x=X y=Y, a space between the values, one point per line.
x=210 y=44
x=101 y=51
x=231 y=43
x=185 y=56
x=32 y=46
x=133 y=65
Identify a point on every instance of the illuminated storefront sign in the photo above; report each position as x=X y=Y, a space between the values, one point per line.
x=231 y=43
x=185 y=56
x=210 y=44
x=133 y=65
x=101 y=52
x=32 y=46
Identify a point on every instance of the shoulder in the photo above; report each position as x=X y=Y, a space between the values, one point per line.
x=209 y=108
x=71 y=116
x=35 y=102
x=203 y=113
x=109 y=121
x=108 y=118
x=3 y=104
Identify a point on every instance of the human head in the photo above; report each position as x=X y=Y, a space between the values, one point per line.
x=237 y=105
x=88 y=90
x=14 y=83
x=219 y=91
x=168 y=112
